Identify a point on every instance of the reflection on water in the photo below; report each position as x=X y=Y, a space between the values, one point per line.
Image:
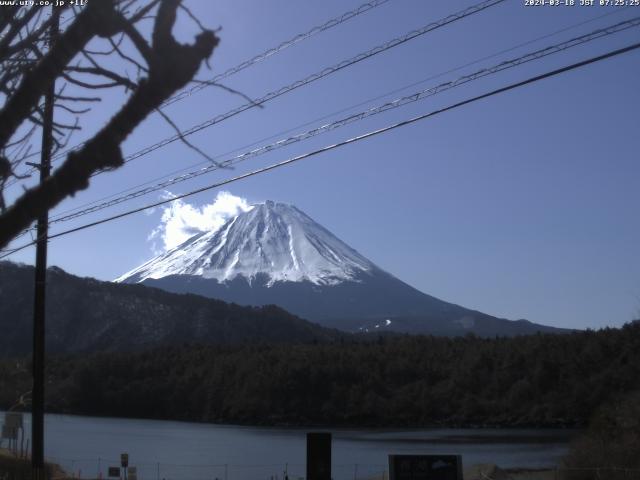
x=180 y=450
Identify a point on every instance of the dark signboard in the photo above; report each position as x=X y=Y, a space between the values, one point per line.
x=318 y=456
x=114 y=471
x=124 y=460
x=425 y=467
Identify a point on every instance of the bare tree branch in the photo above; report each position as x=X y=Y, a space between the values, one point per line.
x=93 y=20
x=171 y=66
x=187 y=142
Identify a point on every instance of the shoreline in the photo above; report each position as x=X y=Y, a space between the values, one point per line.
x=560 y=427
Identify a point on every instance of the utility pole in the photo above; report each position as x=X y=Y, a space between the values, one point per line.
x=37 y=416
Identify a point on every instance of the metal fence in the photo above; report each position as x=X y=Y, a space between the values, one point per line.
x=91 y=468
x=97 y=468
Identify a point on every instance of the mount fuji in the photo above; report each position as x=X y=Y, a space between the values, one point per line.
x=276 y=254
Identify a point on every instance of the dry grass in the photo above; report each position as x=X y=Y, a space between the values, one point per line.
x=14 y=468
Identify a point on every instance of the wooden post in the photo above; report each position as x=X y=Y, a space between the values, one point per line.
x=37 y=409
x=318 y=456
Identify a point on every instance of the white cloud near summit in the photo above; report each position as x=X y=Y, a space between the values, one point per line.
x=181 y=220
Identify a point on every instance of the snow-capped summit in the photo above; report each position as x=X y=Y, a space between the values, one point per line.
x=274 y=239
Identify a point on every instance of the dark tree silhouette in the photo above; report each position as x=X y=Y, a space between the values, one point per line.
x=30 y=63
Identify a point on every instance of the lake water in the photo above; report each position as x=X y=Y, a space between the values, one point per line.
x=194 y=451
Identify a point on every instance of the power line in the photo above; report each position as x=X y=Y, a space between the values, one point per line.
x=400 y=102
x=272 y=51
x=334 y=22
x=311 y=78
x=90 y=208
x=343 y=143
x=316 y=76
x=342 y=110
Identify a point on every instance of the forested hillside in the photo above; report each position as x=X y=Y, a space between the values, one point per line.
x=539 y=380
x=87 y=315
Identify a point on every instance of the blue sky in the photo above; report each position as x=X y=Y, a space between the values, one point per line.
x=521 y=206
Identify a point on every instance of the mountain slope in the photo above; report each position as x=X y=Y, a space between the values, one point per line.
x=377 y=303
x=276 y=254
x=84 y=314
x=272 y=238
